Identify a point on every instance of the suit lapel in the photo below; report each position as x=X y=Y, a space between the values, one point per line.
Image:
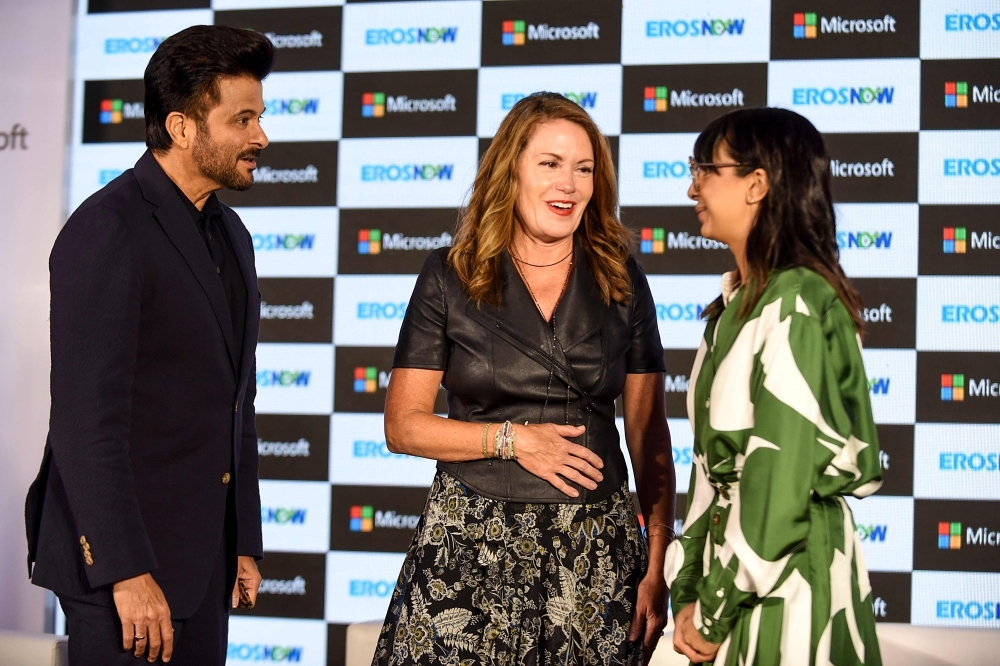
x=176 y=223
x=244 y=256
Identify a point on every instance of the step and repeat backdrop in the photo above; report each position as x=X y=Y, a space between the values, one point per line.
x=377 y=115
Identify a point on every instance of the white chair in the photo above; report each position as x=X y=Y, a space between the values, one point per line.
x=21 y=649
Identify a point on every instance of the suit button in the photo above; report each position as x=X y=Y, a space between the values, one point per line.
x=236 y=407
x=226 y=477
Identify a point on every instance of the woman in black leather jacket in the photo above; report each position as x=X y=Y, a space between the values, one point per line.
x=535 y=321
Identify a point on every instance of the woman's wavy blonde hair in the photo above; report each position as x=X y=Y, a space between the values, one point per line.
x=486 y=226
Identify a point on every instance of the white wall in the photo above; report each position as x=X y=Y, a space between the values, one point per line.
x=34 y=87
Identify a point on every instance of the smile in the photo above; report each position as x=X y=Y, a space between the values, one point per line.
x=561 y=207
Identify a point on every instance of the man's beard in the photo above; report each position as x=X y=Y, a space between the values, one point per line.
x=219 y=164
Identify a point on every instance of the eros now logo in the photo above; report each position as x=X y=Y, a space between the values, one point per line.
x=406 y=172
x=282 y=378
x=695 y=28
x=283 y=241
x=395 y=36
x=282 y=516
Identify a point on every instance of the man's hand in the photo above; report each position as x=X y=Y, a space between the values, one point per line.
x=650 y=614
x=688 y=641
x=145 y=618
x=249 y=576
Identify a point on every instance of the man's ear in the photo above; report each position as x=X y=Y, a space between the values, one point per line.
x=181 y=129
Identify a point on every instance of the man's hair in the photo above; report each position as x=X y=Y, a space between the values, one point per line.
x=183 y=74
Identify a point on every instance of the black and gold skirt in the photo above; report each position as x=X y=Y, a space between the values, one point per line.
x=504 y=583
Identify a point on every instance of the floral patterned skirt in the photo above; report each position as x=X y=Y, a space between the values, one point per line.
x=505 y=583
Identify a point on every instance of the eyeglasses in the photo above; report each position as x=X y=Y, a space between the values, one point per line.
x=698 y=169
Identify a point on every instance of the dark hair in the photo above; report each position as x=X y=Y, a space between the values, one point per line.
x=795 y=225
x=183 y=74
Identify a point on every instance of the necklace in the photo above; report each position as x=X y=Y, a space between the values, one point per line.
x=562 y=291
x=522 y=261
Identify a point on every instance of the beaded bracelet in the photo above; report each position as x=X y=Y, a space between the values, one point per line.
x=503 y=442
x=486 y=431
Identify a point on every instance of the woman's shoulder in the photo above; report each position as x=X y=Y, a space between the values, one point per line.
x=436 y=263
x=806 y=292
x=438 y=258
x=634 y=268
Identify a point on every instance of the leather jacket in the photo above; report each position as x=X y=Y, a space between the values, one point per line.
x=503 y=364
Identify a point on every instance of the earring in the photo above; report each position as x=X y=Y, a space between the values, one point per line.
x=751 y=201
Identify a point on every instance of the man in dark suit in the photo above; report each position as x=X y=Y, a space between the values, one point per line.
x=145 y=516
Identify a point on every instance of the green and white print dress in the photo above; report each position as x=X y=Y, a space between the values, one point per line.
x=783 y=430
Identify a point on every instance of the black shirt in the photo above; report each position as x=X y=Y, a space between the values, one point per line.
x=210 y=225
x=503 y=364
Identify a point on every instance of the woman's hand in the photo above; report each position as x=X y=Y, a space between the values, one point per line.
x=650 y=616
x=542 y=450
x=688 y=641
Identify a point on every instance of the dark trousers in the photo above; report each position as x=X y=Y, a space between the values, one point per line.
x=95 y=631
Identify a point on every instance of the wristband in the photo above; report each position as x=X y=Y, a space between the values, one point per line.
x=486 y=431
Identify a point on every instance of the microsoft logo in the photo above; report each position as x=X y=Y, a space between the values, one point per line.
x=956 y=94
x=513 y=33
x=651 y=241
x=369 y=241
x=372 y=105
x=953 y=388
x=949 y=536
x=954 y=240
x=654 y=99
x=111 y=111
x=804 y=25
x=362 y=518
x=365 y=379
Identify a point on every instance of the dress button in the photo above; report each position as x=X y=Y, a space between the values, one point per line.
x=226 y=477
x=720 y=593
x=716 y=519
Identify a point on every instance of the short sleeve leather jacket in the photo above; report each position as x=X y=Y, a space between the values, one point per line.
x=505 y=364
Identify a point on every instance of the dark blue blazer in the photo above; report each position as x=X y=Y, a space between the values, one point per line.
x=151 y=419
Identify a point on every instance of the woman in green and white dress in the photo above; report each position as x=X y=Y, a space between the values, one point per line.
x=769 y=569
